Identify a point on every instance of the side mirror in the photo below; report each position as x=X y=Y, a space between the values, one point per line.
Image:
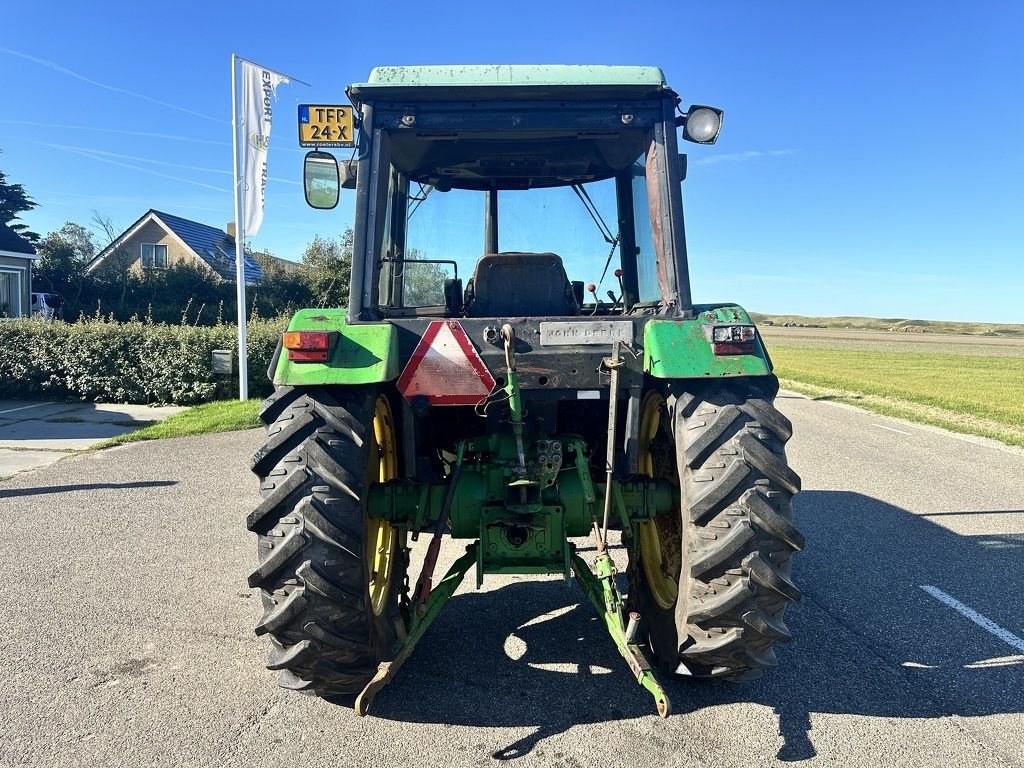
x=320 y=180
x=348 y=173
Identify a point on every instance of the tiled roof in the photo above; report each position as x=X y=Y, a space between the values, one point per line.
x=12 y=242
x=212 y=245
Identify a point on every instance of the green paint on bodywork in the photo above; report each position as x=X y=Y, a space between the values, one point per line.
x=366 y=353
x=517 y=74
x=509 y=81
x=681 y=349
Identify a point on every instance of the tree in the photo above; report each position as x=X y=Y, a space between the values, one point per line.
x=424 y=281
x=271 y=266
x=63 y=256
x=14 y=200
x=118 y=260
x=183 y=292
x=281 y=291
x=327 y=269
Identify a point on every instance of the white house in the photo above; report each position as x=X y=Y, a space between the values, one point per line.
x=16 y=257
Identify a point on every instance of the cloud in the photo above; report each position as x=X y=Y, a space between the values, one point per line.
x=93 y=155
x=750 y=277
x=277 y=148
x=123 y=131
x=102 y=202
x=102 y=154
x=739 y=157
x=118 y=155
x=891 y=276
x=116 y=89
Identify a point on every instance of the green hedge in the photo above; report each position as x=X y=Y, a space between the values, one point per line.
x=135 y=362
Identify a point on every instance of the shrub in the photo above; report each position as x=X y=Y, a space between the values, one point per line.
x=101 y=360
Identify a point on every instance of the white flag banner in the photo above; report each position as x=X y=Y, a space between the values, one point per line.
x=259 y=92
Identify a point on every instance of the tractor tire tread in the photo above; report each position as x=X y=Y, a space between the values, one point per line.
x=719 y=603
x=324 y=637
x=738 y=534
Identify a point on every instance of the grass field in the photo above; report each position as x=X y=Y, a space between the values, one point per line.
x=875 y=341
x=969 y=384
x=903 y=325
x=221 y=416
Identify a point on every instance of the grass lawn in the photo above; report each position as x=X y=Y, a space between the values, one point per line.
x=982 y=395
x=221 y=416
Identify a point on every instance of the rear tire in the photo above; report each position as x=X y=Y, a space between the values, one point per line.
x=315 y=574
x=713 y=582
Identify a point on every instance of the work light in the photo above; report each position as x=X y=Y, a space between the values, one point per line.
x=702 y=124
x=733 y=339
x=739 y=333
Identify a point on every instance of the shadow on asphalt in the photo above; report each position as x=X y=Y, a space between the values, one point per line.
x=869 y=641
x=15 y=492
x=60 y=420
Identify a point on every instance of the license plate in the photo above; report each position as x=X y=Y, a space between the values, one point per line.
x=326 y=125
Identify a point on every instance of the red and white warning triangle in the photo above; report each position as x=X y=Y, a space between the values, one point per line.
x=445 y=368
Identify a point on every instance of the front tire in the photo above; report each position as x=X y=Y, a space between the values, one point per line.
x=330 y=577
x=713 y=581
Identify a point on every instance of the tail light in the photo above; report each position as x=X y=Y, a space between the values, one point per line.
x=307 y=346
x=733 y=339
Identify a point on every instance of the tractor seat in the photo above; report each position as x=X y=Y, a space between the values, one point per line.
x=520 y=285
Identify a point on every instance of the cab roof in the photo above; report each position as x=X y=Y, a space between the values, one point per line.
x=509 y=81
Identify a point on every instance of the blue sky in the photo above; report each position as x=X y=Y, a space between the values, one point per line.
x=871 y=160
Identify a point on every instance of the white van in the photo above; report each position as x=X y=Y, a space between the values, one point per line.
x=48 y=306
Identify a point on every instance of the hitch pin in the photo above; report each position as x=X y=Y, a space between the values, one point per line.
x=632 y=628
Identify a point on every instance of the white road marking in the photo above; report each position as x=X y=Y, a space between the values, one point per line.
x=891 y=429
x=999 y=661
x=985 y=623
x=985 y=442
x=24 y=407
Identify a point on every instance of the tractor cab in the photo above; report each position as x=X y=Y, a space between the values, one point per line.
x=519 y=191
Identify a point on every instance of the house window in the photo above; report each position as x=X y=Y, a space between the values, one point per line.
x=10 y=294
x=154 y=256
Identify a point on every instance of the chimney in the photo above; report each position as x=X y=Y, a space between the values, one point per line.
x=230 y=229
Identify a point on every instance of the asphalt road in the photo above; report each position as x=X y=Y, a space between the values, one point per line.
x=36 y=433
x=127 y=633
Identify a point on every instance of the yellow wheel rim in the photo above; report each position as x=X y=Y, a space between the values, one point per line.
x=659 y=539
x=381 y=537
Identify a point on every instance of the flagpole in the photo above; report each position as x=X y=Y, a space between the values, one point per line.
x=243 y=357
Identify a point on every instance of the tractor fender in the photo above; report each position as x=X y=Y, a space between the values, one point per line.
x=680 y=348
x=363 y=353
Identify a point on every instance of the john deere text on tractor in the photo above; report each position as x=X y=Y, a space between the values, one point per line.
x=521 y=363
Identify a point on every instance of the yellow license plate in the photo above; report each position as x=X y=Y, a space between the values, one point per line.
x=326 y=125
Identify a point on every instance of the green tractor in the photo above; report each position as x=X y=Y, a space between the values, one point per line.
x=520 y=363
